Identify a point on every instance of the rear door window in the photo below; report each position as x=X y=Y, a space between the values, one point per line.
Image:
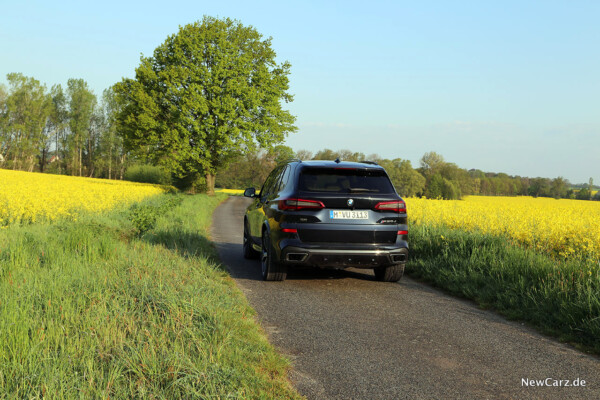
x=272 y=179
x=340 y=180
x=284 y=179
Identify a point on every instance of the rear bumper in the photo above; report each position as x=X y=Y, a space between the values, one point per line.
x=344 y=258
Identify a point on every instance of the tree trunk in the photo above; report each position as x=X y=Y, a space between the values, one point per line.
x=109 y=162
x=31 y=163
x=43 y=160
x=210 y=184
x=122 y=167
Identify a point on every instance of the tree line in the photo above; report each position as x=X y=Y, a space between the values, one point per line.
x=71 y=131
x=434 y=177
x=59 y=130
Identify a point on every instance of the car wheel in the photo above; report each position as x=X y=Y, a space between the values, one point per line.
x=393 y=273
x=249 y=251
x=270 y=268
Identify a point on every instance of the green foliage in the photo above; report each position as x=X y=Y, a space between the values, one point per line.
x=147 y=174
x=539 y=187
x=558 y=188
x=560 y=298
x=432 y=163
x=450 y=191
x=24 y=109
x=328 y=154
x=81 y=108
x=406 y=180
x=583 y=194
x=110 y=144
x=88 y=310
x=209 y=93
x=445 y=180
x=304 y=155
x=63 y=131
x=434 y=187
x=144 y=216
x=281 y=153
x=251 y=170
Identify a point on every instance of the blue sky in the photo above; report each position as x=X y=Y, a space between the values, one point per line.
x=507 y=86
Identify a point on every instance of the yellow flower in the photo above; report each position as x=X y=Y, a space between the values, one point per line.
x=31 y=197
x=565 y=228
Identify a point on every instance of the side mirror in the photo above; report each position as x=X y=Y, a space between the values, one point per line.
x=250 y=192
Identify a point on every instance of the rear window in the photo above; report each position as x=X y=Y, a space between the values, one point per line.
x=344 y=181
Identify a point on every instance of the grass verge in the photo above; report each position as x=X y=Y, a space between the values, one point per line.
x=96 y=309
x=559 y=298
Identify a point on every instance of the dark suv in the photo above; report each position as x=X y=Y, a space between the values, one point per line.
x=327 y=214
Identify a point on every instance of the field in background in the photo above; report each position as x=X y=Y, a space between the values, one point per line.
x=31 y=197
x=564 y=228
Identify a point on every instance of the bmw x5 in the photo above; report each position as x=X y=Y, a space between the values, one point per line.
x=328 y=214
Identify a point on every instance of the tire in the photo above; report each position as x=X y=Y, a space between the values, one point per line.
x=249 y=252
x=393 y=273
x=270 y=268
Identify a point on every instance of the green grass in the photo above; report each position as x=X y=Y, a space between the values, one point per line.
x=559 y=298
x=93 y=309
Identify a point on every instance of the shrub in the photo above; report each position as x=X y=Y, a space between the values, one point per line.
x=147 y=174
x=144 y=216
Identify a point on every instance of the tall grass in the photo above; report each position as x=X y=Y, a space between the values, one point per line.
x=90 y=309
x=561 y=298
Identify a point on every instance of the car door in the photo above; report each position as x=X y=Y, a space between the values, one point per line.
x=270 y=204
x=257 y=212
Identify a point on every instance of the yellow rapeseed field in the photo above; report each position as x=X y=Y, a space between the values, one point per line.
x=565 y=228
x=30 y=197
x=230 y=191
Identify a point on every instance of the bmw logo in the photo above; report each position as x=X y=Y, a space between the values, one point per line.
x=350 y=202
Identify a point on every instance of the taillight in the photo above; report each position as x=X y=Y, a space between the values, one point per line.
x=393 y=206
x=300 y=204
x=402 y=232
x=289 y=230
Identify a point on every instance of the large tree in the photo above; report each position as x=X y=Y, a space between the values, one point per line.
x=208 y=94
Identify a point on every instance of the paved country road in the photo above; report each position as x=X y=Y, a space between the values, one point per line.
x=351 y=337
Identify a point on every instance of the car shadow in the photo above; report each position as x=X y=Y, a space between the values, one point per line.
x=241 y=268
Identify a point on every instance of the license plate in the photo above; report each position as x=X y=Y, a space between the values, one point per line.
x=348 y=214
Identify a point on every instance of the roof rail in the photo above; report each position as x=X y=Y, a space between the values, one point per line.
x=369 y=162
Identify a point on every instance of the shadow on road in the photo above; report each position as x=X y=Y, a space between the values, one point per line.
x=240 y=268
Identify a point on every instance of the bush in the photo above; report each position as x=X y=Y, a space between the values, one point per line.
x=144 y=216
x=147 y=174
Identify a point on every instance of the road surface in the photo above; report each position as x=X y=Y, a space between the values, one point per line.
x=351 y=337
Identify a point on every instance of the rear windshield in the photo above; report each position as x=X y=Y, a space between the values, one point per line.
x=344 y=181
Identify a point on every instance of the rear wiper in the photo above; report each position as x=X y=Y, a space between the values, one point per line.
x=360 y=190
